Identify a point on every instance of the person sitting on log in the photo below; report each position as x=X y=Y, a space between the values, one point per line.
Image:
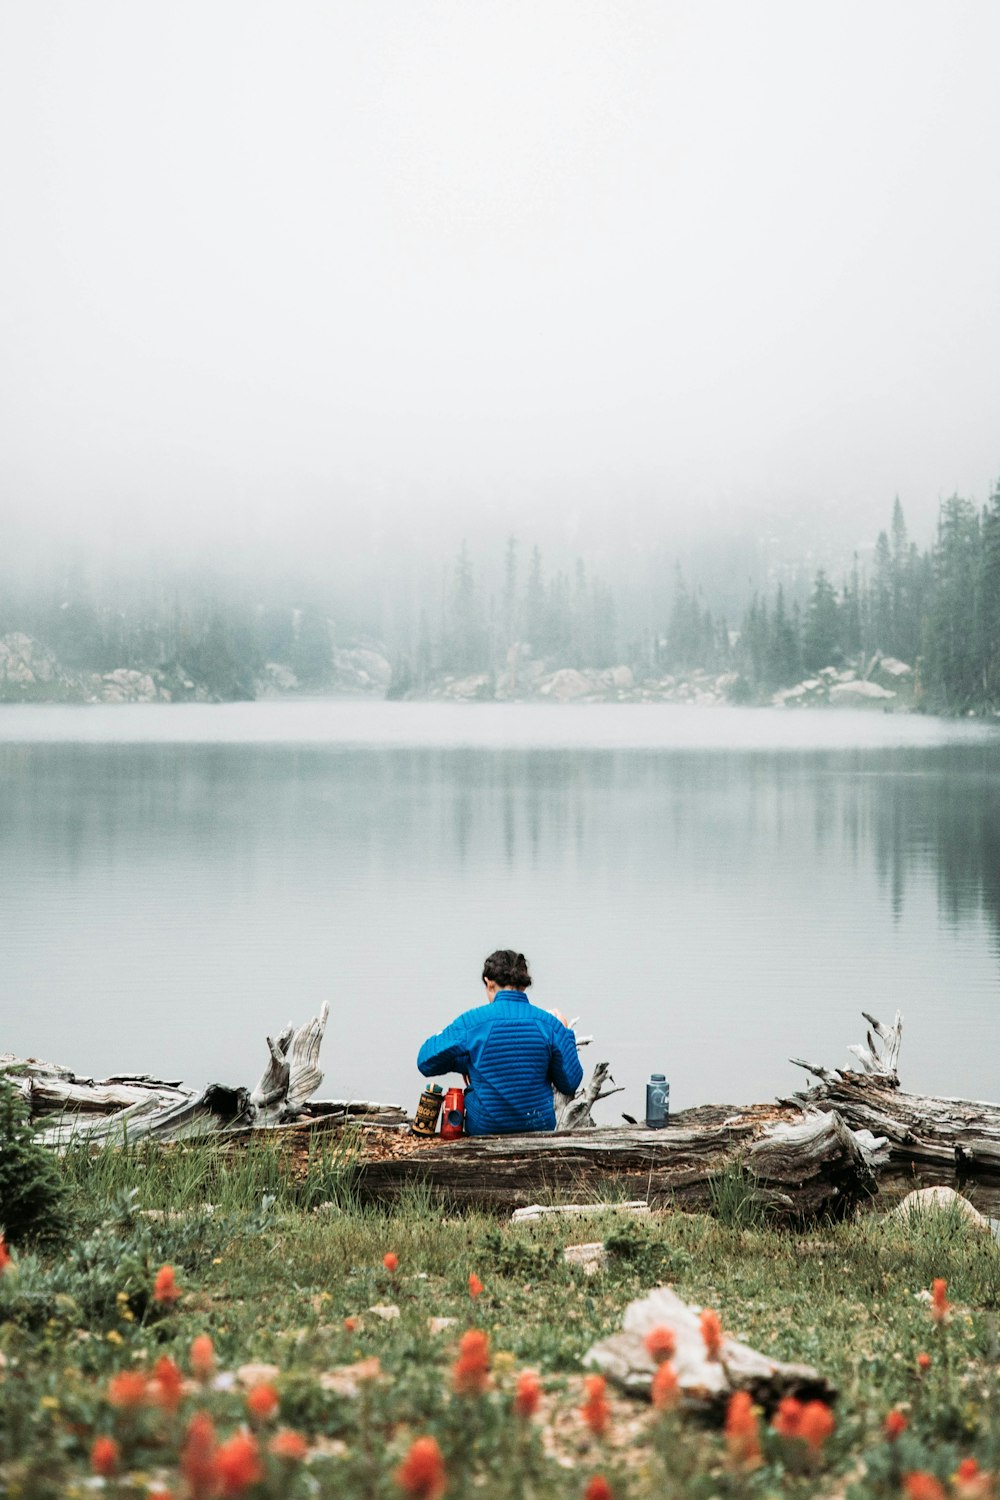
x=512 y=1053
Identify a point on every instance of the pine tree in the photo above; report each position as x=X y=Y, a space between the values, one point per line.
x=882 y=596
x=954 y=675
x=33 y=1201
x=784 y=656
x=990 y=596
x=821 y=635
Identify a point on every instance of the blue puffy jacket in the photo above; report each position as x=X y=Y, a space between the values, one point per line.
x=513 y=1053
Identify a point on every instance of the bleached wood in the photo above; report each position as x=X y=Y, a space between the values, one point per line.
x=704 y=1382
x=543 y=1210
x=292 y=1073
x=574 y=1112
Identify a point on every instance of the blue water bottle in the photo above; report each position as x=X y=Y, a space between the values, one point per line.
x=657 y=1101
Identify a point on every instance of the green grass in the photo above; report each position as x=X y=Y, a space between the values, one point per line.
x=271 y=1275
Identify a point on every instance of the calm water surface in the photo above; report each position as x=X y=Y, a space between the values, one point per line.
x=710 y=891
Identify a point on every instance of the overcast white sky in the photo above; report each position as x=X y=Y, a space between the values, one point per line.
x=370 y=266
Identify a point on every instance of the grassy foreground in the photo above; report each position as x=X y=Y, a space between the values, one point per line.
x=289 y=1273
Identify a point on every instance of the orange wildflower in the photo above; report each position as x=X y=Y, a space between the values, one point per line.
x=527 y=1394
x=127 y=1390
x=475 y=1286
x=165 y=1288
x=665 y=1392
x=923 y=1363
x=422 y=1472
x=660 y=1343
x=970 y=1482
x=895 y=1423
x=595 y=1410
x=816 y=1424
x=202 y=1357
x=787 y=1421
x=5 y=1256
x=711 y=1332
x=238 y=1461
x=288 y=1445
x=390 y=1260
x=262 y=1402
x=198 y=1457
x=919 y=1485
x=940 y=1306
x=742 y=1432
x=350 y=1325
x=470 y=1374
x=598 y=1488
x=105 y=1456
x=167 y=1384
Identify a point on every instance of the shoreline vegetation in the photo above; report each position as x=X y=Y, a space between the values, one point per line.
x=216 y=1323
x=911 y=631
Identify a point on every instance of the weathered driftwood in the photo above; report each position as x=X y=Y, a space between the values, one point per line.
x=534 y=1211
x=574 y=1113
x=130 y=1108
x=705 y=1382
x=950 y=1137
x=815 y=1168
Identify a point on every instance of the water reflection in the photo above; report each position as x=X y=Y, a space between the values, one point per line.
x=162 y=906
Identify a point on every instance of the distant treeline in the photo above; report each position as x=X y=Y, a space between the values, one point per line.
x=938 y=610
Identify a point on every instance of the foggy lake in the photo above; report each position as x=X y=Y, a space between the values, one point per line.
x=710 y=892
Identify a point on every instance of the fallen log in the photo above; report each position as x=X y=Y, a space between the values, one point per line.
x=818 y=1153
x=801 y=1169
x=952 y=1138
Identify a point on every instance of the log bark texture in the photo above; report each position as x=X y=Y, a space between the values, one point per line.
x=812 y=1168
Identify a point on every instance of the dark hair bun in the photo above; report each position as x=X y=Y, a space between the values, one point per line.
x=507 y=969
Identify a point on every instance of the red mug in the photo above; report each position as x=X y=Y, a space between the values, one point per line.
x=453 y=1115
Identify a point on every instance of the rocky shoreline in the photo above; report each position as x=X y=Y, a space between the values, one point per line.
x=31 y=673
x=882 y=682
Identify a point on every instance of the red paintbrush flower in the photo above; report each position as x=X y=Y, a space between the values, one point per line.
x=202 y=1357
x=665 y=1392
x=742 y=1432
x=105 y=1456
x=894 y=1425
x=262 y=1402
x=422 y=1472
x=5 y=1257
x=167 y=1385
x=788 y=1417
x=390 y=1260
x=660 y=1343
x=165 y=1288
x=527 y=1394
x=919 y=1485
x=711 y=1332
x=475 y=1286
x=923 y=1363
x=970 y=1482
x=940 y=1306
x=598 y=1488
x=198 y=1457
x=816 y=1424
x=127 y=1390
x=288 y=1445
x=239 y=1465
x=470 y=1374
x=596 y=1411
